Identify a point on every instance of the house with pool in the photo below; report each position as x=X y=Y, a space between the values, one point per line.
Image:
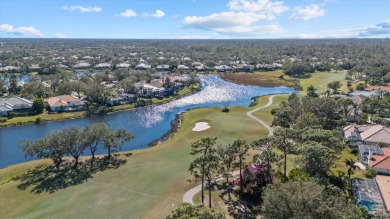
x=372 y=194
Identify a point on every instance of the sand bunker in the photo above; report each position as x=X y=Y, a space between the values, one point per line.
x=200 y=126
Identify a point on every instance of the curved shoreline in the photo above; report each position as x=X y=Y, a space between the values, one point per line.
x=2 y=125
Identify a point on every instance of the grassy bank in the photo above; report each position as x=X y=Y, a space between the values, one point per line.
x=151 y=183
x=264 y=79
x=46 y=116
x=273 y=78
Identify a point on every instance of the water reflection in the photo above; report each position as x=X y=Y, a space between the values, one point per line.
x=146 y=124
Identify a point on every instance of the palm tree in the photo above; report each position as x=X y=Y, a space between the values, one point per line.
x=350 y=163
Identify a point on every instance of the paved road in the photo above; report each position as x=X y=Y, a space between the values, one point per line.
x=188 y=196
x=270 y=101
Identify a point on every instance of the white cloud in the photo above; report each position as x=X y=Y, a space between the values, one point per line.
x=224 y=19
x=250 y=31
x=264 y=6
x=307 y=13
x=25 y=31
x=60 y=36
x=128 y=13
x=233 y=23
x=156 y=14
x=82 y=8
x=242 y=20
x=376 y=30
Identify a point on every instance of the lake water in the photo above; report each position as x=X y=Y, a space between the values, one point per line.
x=146 y=124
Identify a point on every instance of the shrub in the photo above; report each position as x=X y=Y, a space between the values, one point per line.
x=3 y=119
x=38 y=120
x=370 y=173
x=11 y=115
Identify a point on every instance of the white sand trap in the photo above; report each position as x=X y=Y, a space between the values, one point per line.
x=200 y=126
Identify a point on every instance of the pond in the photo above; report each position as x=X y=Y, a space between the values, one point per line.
x=146 y=124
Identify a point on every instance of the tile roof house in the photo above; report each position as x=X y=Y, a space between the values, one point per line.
x=82 y=65
x=163 y=68
x=65 y=103
x=102 y=66
x=16 y=104
x=367 y=134
x=142 y=66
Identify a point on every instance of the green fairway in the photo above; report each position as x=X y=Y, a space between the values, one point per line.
x=151 y=183
x=320 y=80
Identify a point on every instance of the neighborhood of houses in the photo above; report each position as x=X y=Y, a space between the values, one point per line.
x=74 y=102
x=373 y=145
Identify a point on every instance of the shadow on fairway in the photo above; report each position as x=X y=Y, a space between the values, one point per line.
x=49 y=179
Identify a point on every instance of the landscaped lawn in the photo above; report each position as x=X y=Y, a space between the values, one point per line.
x=272 y=78
x=320 y=80
x=149 y=185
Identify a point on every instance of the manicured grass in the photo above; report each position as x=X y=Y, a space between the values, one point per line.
x=45 y=116
x=340 y=165
x=272 y=78
x=264 y=79
x=320 y=80
x=151 y=183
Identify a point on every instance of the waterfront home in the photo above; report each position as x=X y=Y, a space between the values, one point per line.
x=223 y=68
x=244 y=68
x=65 y=103
x=119 y=97
x=15 y=104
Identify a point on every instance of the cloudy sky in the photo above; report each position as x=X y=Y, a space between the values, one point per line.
x=200 y=19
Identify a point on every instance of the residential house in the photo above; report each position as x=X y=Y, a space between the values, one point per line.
x=15 y=104
x=123 y=65
x=101 y=66
x=367 y=194
x=244 y=68
x=163 y=68
x=119 y=97
x=183 y=67
x=82 y=65
x=10 y=68
x=65 y=103
x=61 y=66
x=367 y=134
x=142 y=66
x=223 y=68
x=34 y=67
x=383 y=183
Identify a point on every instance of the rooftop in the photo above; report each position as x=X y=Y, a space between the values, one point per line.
x=366 y=194
x=384 y=187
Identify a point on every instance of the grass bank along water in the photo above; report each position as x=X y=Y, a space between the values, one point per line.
x=47 y=117
x=146 y=124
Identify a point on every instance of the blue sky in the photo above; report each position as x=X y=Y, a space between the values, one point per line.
x=201 y=19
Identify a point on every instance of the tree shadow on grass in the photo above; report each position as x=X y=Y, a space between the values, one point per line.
x=49 y=179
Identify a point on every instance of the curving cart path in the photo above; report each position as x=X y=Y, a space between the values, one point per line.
x=189 y=195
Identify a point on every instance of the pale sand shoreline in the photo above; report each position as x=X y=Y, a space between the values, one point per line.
x=201 y=126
